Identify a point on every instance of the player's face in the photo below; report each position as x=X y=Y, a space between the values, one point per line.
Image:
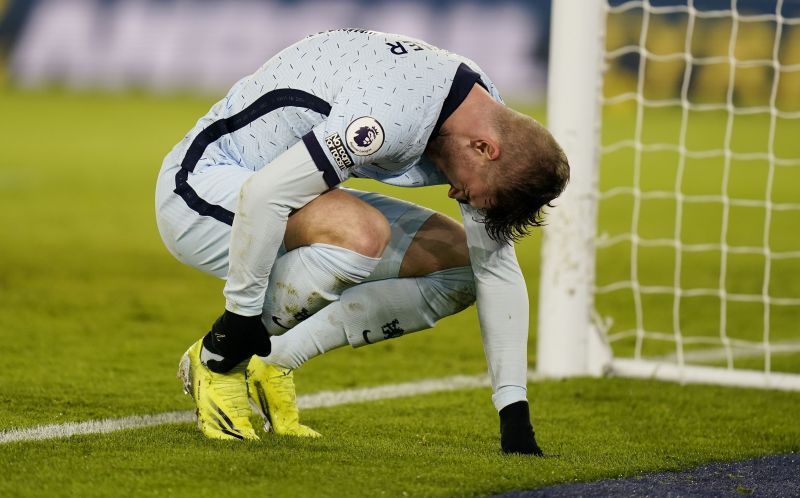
x=467 y=171
x=469 y=185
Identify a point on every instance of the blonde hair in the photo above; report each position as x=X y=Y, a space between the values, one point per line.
x=530 y=172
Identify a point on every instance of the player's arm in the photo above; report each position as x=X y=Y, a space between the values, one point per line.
x=502 y=301
x=350 y=136
x=266 y=199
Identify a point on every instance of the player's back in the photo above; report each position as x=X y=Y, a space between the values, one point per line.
x=366 y=73
x=321 y=86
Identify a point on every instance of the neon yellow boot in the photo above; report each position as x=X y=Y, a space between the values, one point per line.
x=223 y=411
x=272 y=395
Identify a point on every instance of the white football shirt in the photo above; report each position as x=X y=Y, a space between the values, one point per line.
x=350 y=103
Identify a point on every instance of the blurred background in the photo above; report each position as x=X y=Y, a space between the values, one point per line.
x=203 y=46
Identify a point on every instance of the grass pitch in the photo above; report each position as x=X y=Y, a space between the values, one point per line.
x=95 y=314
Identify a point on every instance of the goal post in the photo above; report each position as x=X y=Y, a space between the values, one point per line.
x=567 y=344
x=673 y=254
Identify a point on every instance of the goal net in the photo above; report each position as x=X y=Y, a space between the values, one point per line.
x=675 y=251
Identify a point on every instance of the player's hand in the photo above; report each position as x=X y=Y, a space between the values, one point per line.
x=516 y=431
x=235 y=338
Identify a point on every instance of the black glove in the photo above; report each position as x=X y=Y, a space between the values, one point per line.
x=516 y=431
x=235 y=338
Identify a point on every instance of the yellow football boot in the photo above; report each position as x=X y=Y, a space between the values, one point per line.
x=223 y=411
x=272 y=395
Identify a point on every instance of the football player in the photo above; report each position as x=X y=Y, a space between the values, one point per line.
x=252 y=195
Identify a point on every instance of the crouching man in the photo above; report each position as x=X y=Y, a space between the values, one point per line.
x=252 y=195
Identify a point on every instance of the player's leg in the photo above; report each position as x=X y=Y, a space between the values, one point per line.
x=202 y=242
x=424 y=275
x=434 y=280
x=427 y=249
x=332 y=244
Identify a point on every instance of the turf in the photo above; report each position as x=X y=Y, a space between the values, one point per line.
x=436 y=445
x=95 y=313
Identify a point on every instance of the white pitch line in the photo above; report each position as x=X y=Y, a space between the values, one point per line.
x=94 y=426
x=321 y=399
x=389 y=391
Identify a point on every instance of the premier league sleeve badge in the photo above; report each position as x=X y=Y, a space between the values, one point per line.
x=364 y=136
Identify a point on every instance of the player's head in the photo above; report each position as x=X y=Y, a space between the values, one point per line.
x=507 y=165
x=530 y=171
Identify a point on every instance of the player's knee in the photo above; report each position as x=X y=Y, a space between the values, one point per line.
x=368 y=234
x=340 y=219
x=364 y=231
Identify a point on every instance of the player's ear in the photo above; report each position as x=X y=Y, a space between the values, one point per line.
x=487 y=147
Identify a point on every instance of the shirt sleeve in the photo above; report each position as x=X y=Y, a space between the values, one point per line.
x=374 y=124
x=502 y=301
x=289 y=182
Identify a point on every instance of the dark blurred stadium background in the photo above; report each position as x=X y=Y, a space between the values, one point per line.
x=202 y=45
x=205 y=45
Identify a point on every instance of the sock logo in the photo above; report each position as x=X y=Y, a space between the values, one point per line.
x=392 y=329
x=302 y=315
x=299 y=316
x=277 y=322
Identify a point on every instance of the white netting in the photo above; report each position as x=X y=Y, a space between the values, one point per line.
x=699 y=230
